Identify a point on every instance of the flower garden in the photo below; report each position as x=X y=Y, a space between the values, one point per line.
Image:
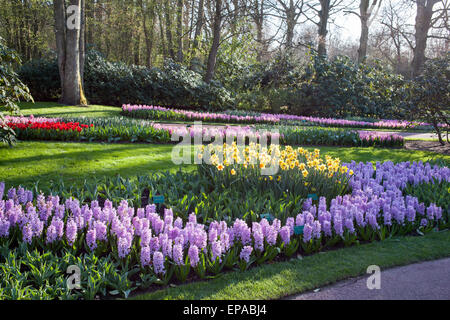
x=133 y=234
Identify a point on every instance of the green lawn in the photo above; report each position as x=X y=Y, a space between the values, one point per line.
x=53 y=109
x=75 y=162
x=278 y=280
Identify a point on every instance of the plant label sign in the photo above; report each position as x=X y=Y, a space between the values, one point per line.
x=313 y=196
x=158 y=199
x=298 y=230
x=267 y=216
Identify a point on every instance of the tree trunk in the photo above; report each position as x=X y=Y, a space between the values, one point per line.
x=148 y=34
x=198 y=25
x=169 y=29
x=69 y=54
x=60 y=35
x=290 y=23
x=423 y=24
x=324 y=14
x=211 y=65
x=197 y=33
x=82 y=42
x=180 y=30
x=161 y=35
x=364 y=17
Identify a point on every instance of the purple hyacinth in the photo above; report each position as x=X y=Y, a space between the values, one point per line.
x=317 y=229
x=158 y=263
x=285 y=234
x=91 y=239
x=12 y=195
x=71 y=232
x=307 y=204
x=349 y=225
x=300 y=220
x=225 y=240
x=327 y=228
x=258 y=237
x=145 y=256
x=2 y=190
x=123 y=247
x=423 y=222
x=146 y=236
x=52 y=234
x=246 y=253
x=4 y=228
x=177 y=254
x=154 y=244
x=372 y=221
x=27 y=233
x=307 y=233
x=272 y=236
x=216 y=250
x=338 y=226
x=100 y=230
x=193 y=255
x=193 y=218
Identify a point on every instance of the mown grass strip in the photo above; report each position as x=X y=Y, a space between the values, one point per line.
x=278 y=280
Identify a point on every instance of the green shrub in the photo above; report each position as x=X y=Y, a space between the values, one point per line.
x=115 y=83
x=42 y=77
x=12 y=90
x=429 y=96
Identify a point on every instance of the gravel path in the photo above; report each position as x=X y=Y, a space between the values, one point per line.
x=421 y=281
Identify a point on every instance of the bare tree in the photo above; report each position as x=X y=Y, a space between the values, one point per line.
x=323 y=11
x=180 y=30
x=70 y=50
x=289 y=11
x=217 y=28
x=427 y=17
x=394 y=41
x=148 y=12
x=168 y=18
x=366 y=15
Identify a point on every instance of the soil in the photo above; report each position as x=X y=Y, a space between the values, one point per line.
x=432 y=146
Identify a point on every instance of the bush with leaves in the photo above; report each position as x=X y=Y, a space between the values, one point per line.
x=12 y=90
x=429 y=96
x=341 y=88
x=116 y=83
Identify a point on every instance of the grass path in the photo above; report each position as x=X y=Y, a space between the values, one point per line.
x=53 y=109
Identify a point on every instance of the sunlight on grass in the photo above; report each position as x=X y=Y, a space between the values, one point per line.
x=53 y=109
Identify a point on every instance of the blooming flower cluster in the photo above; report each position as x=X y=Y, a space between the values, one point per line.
x=131 y=110
x=206 y=132
x=30 y=119
x=256 y=156
x=47 y=125
x=382 y=137
x=376 y=203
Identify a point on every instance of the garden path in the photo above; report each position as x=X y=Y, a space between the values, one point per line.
x=422 y=281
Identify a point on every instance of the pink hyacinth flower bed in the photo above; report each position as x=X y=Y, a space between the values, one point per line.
x=158 y=242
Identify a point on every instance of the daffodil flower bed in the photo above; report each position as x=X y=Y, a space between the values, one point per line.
x=283 y=170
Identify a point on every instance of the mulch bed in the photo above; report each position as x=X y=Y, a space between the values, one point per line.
x=432 y=146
